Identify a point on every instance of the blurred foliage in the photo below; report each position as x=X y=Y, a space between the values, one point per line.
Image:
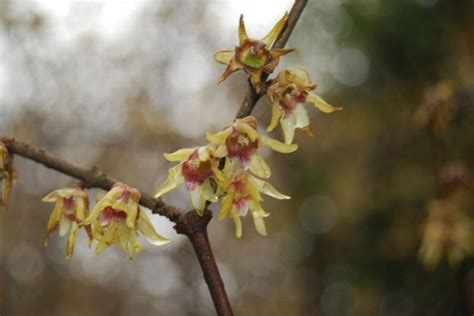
x=347 y=241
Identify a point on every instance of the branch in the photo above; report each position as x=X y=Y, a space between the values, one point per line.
x=252 y=97
x=92 y=178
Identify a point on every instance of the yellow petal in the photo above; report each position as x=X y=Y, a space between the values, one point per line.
x=288 y=126
x=51 y=197
x=219 y=137
x=197 y=200
x=64 y=226
x=278 y=146
x=81 y=208
x=276 y=53
x=145 y=227
x=276 y=114
x=322 y=105
x=175 y=178
x=224 y=56
x=270 y=37
x=54 y=219
x=256 y=78
x=268 y=189
x=180 y=155
x=246 y=129
x=259 y=224
x=231 y=68
x=242 y=32
x=106 y=239
x=71 y=240
x=237 y=223
x=6 y=190
x=226 y=206
x=301 y=116
x=259 y=167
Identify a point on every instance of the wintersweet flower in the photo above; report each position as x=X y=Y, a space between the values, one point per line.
x=70 y=210
x=117 y=217
x=447 y=232
x=243 y=194
x=287 y=93
x=253 y=56
x=240 y=141
x=197 y=167
x=7 y=175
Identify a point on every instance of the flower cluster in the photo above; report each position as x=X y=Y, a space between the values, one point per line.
x=7 y=175
x=230 y=169
x=115 y=219
x=237 y=186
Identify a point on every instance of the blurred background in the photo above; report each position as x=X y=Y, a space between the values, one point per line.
x=118 y=83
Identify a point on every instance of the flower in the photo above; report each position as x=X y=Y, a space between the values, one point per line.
x=240 y=141
x=243 y=195
x=197 y=167
x=70 y=210
x=437 y=108
x=117 y=217
x=253 y=56
x=447 y=231
x=8 y=176
x=287 y=92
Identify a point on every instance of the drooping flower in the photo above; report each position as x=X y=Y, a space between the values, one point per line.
x=287 y=92
x=8 y=176
x=240 y=141
x=253 y=56
x=437 y=108
x=243 y=194
x=197 y=167
x=447 y=232
x=71 y=208
x=116 y=219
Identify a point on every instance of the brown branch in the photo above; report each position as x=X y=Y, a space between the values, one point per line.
x=90 y=177
x=251 y=97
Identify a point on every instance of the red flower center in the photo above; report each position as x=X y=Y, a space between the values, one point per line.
x=290 y=99
x=195 y=171
x=109 y=214
x=240 y=146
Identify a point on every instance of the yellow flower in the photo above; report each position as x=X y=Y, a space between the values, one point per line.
x=253 y=56
x=70 y=210
x=197 y=167
x=447 y=232
x=287 y=92
x=7 y=175
x=117 y=217
x=243 y=195
x=240 y=141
